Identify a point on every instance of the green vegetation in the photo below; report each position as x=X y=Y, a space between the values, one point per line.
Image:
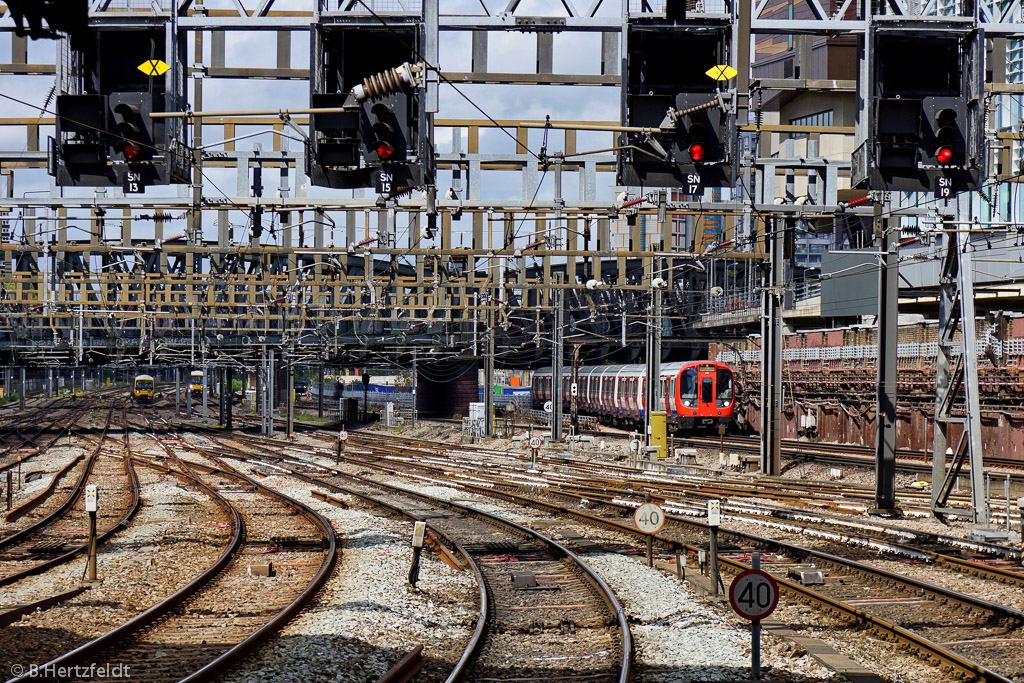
x=302 y=417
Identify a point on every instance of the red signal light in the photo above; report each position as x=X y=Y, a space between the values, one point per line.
x=696 y=152
x=129 y=150
x=944 y=155
x=384 y=151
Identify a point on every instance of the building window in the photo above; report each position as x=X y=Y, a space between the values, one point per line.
x=822 y=118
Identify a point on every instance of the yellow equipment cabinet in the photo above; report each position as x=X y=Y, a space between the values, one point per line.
x=659 y=432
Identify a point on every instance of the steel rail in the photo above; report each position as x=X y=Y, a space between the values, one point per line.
x=476 y=641
x=68 y=502
x=798 y=551
x=122 y=523
x=856 y=454
x=140 y=621
x=725 y=489
x=36 y=500
x=888 y=630
x=405 y=668
x=39 y=449
x=596 y=582
x=211 y=670
x=779 y=517
x=600 y=587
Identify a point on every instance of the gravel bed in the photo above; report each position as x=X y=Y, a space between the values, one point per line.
x=865 y=648
x=613 y=447
x=677 y=635
x=367 y=616
x=49 y=463
x=873 y=654
x=175 y=536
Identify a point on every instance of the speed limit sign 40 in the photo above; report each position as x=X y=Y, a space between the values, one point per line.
x=754 y=594
x=649 y=518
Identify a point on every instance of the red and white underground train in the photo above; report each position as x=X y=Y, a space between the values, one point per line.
x=697 y=393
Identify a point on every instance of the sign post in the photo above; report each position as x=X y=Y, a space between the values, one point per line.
x=342 y=438
x=714 y=521
x=535 y=443
x=649 y=518
x=419 y=532
x=754 y=595
x=92 y=500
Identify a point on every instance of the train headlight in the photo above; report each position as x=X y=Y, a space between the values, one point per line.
x=688 y=404
x=723 y=404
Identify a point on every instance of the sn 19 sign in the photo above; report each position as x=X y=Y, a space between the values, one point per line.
x=754 y=594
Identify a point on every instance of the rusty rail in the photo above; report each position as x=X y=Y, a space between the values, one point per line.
x=885 y=629
x=405 y=668
x=34 y=502
x=140 y=621
x=68 y=502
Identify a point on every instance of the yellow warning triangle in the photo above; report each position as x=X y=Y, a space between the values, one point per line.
x=721 y=72
x=154 y=67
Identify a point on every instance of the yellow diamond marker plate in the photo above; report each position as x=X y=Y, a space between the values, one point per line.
x=721 y=72
x=155 y=67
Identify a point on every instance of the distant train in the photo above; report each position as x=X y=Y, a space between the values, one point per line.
x=143 y=388
x=697 y=393
x=195 y=385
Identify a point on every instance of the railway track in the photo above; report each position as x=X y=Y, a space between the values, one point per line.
x=981 y=636
x=24 y=444
x=50 y=540
x=531 y=585
x=966 y=635
x=223 y=613
x=841 y=454
x=688 y=495
x=601 y=478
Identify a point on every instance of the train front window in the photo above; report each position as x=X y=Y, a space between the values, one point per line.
x=707 y=390
x=688 y=387
x=144 y=384
x=724 y=377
